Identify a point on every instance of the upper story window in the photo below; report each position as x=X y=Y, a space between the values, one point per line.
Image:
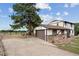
x=68 y=25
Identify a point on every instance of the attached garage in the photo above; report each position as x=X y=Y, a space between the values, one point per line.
x=40 y=34
x=45 y=31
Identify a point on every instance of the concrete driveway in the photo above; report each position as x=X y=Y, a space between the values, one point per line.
x=32 y=47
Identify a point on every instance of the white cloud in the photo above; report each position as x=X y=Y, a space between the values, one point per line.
x=59 y=18
x=74 y=4
x=43 y=6
x=10 y=10
x=66 y=5
x=66 y=13
x=58 y=13
x=46 y=18
x=71 y=5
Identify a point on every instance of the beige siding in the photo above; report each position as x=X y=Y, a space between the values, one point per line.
x=71 y=27
x=53 y=23
x=61 y=24
x=57 y=23
x=65 y=32
x=49 y=32
x=67 y=25
x=39 y=28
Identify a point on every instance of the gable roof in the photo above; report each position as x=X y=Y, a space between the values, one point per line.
x=62 y=21
x=53 y=27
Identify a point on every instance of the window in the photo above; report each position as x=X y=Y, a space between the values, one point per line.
x=54 y=32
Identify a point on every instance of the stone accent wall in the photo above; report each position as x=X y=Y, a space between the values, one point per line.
x=58 y=39
x=50 y=38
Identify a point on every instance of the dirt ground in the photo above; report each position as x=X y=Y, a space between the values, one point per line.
x=32 y=47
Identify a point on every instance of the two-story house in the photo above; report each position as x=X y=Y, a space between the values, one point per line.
x=56 y=27
x=65 y=24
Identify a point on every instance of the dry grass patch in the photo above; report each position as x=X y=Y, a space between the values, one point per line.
x=73 y=46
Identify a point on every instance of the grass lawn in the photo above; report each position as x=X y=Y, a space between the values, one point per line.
x=72 y=47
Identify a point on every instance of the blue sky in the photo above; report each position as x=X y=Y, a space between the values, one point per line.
x=48 y=12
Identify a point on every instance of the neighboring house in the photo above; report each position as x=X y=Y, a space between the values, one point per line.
x=56 y=27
